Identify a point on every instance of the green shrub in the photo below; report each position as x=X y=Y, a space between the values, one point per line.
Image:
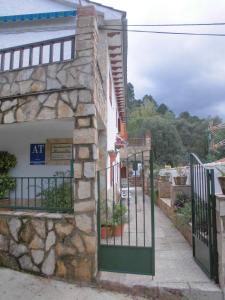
x=181 y=200
x=119 y=214
x=7 y=161
x=58 y=197
x=186 y=212
x=7 y=184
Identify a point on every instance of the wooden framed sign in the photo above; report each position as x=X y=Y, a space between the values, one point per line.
x=59 y=151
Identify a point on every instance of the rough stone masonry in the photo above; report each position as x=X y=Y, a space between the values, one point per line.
x=48 y=244
x=60 y=245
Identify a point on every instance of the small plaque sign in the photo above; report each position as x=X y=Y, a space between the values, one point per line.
x=61 y=151
x=37 y=154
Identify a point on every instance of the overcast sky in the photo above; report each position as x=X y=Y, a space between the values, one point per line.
x=186 y=73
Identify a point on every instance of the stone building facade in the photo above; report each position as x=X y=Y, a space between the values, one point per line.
x=60 y=244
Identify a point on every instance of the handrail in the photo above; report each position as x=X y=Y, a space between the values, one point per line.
x=197 y=159
x=24 y=46
x=22 y=56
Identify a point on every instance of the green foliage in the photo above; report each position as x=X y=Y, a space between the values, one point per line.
x=58 y=197
x=7 y=184
x=181 y=200
x=119 y=214
x=7 y=161
x=173 y=137
x=186 y=212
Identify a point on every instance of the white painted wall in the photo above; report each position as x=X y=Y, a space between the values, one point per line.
x=112 y=124
x=213 y=166
x=16 y=139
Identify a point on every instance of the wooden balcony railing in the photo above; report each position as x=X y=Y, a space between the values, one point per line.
x=45 y=52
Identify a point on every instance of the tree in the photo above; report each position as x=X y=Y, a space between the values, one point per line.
x=130 y=92
x=173 y=138
x=166 y=142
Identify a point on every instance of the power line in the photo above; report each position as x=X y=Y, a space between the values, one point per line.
x=174 y=25
x=164 y=32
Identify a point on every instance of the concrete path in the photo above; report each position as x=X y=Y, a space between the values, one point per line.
x=176 y=270
x=20 y=286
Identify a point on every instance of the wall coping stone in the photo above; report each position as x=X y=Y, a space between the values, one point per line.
x=39 y=215
x=220 y=204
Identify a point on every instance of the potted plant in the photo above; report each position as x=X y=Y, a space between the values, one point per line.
x=106 y=221
x=119 y=219
x=7 y=183
x=181 y=177
x=221 y=179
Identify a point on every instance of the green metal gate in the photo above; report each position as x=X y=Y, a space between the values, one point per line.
x=126 y=240
x=204 y=234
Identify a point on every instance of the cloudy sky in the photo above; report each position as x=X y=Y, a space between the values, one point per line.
x=186 y=73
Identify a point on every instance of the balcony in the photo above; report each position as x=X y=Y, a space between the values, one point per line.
x=35 y=54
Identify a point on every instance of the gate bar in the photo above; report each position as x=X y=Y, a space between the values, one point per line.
x=152 y=210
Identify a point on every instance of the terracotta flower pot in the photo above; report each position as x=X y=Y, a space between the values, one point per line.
x=180 y=180
x=106 y=231
x=222 y=184
x=118 y=230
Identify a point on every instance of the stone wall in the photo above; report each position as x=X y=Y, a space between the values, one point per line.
x=72 y=89
x=45 y=244
x=52 y=91
x=164 y=188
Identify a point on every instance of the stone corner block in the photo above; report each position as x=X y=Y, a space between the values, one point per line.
x=84 y=190
x=85 y=110
x=85 y=136
x=89 y=169
x=78 y=170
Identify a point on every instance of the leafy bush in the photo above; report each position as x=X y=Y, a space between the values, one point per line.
x=119 y=214
x=186 y=212
x=58 y=197
x=181 y=200
x=7 y=161
x=7 y=184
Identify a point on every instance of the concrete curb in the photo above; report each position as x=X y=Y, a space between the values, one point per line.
x=164 y=291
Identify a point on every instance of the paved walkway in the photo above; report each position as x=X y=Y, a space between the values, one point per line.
x=20 y=286
x=175 y=268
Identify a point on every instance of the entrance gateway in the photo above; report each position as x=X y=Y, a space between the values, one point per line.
x=204 y=235
x=126 y=233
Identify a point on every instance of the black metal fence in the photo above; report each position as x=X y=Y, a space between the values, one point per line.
x=52 y=194
x=204 y=217
x=45 y=52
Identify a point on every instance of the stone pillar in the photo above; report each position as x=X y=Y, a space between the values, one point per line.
x=85 y=140
x=220 y=223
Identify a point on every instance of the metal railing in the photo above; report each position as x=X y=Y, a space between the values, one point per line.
x=51 y=194
x=44 y=52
